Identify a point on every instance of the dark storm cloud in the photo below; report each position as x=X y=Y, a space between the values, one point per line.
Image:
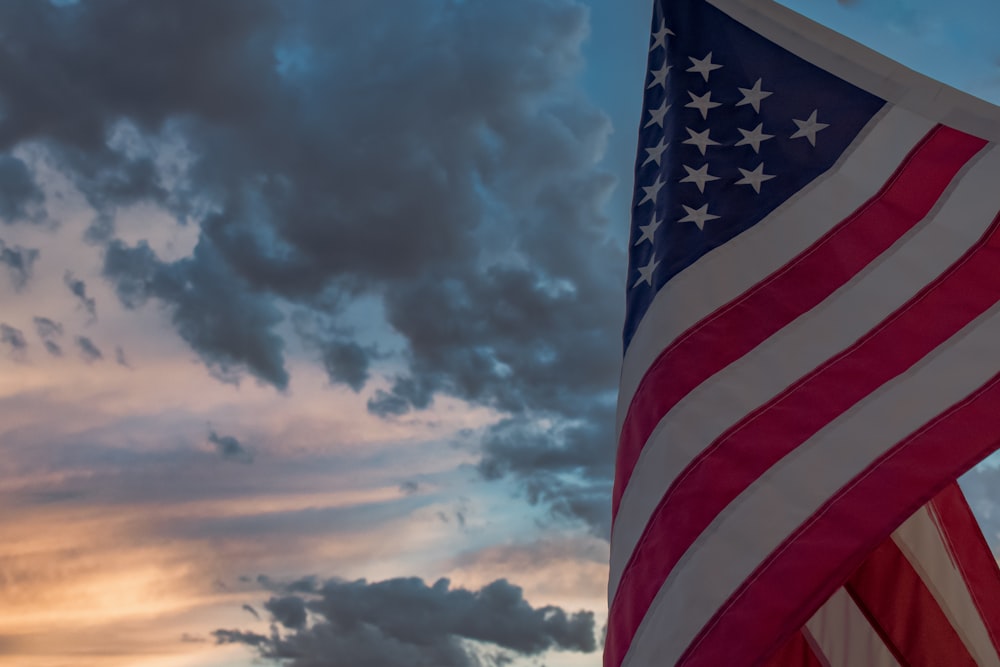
x=566 y=466
x=227 y=324
x=405 y=622
x=88 y=350
x=442 y=160
x=79 y=289
x=230 y=448
x=344 y=360
x=21 y=200
x=13 y=339
x=289 y=611
x=19 y=262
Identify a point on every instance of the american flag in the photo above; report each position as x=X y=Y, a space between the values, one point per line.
x=812 y=354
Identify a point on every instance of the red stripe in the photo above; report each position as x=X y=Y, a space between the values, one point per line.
x=744 y=323
x=796 y=652
x=904 y=612
x=823 y=552
x=731 y=463
x=972 y=556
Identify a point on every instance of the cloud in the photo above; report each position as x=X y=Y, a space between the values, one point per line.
x=120 y=358
x=47 y=330
x=250 y=610
x=88 y=350
x=79 y=290
x=14 y=340
x=289 y=611
x=230 y=448
x=405 y=622
x=21 y=200
x=454 y=179
x=566 y=465
x=19 y=262
x=214 y=311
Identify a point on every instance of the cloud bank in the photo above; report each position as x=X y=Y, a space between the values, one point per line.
x=407 y=623
x=453 y=179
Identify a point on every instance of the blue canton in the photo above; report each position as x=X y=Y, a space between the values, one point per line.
x=732 y=126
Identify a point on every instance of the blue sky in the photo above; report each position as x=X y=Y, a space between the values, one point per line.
x=337 y=325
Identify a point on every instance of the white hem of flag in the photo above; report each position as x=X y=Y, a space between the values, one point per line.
x=866 y=68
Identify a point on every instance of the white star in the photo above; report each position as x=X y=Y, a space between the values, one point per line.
x=656 y=115
x=753 y=96
x=702 y=103
x=659 y=76
x=698 y=176
x=656 y=152
x=698 y=216
x=649 y=230
x=652 y=191
x=646 y=273
x=660 y=36
x=753 y=137
x=700 y=139
x=703 y=66
x=754 y=178
x=809 y=127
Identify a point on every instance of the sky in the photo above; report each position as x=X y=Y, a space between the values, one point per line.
x=311 y=320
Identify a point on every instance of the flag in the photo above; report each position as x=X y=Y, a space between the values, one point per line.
x=925 y=597
x=811 y=341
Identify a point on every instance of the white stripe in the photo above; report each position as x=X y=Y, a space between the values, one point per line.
x=842 y=633
x=731 y=269
x=920 y=540
x=768 y=511
x=865 y=68
x=848 y=314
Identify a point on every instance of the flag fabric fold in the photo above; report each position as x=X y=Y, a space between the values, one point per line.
x=810 y=347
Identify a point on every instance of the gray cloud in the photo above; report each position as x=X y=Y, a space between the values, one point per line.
x=229 y=326
x=21 y=200
x=47 y=328
x=14 y=339
x=79 y=289
x=442 y=161
x=405 y=622
x=19 y=262
x=250 y=610
x=120 y=358
x=88 y=350
x=230 y=448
